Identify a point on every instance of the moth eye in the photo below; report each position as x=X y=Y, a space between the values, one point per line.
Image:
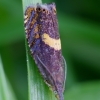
x=43 y=10
x=38 y=9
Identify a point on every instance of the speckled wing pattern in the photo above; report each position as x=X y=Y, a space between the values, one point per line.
x=41 y=27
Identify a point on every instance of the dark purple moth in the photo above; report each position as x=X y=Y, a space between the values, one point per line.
x=41 y=27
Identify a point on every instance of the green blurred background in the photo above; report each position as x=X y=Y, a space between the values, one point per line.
x=79 y=26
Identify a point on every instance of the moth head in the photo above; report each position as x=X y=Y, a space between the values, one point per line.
x=42 y=8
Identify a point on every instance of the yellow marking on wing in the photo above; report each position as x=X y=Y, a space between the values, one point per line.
x=28 y=15
x=28 y=12
x=37 y=36
x=36 y=28
x=34 y=20
x=54 y=43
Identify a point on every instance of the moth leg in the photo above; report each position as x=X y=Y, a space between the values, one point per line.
x=65 y=73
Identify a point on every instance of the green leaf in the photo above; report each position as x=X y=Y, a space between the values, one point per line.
x=6 y=92
x=84 y=91
x=11 y=22
x=38 y=90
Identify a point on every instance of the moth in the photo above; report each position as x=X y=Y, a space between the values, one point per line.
x=41 y=28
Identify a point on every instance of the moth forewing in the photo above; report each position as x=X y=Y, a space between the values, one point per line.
x=41 y=27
